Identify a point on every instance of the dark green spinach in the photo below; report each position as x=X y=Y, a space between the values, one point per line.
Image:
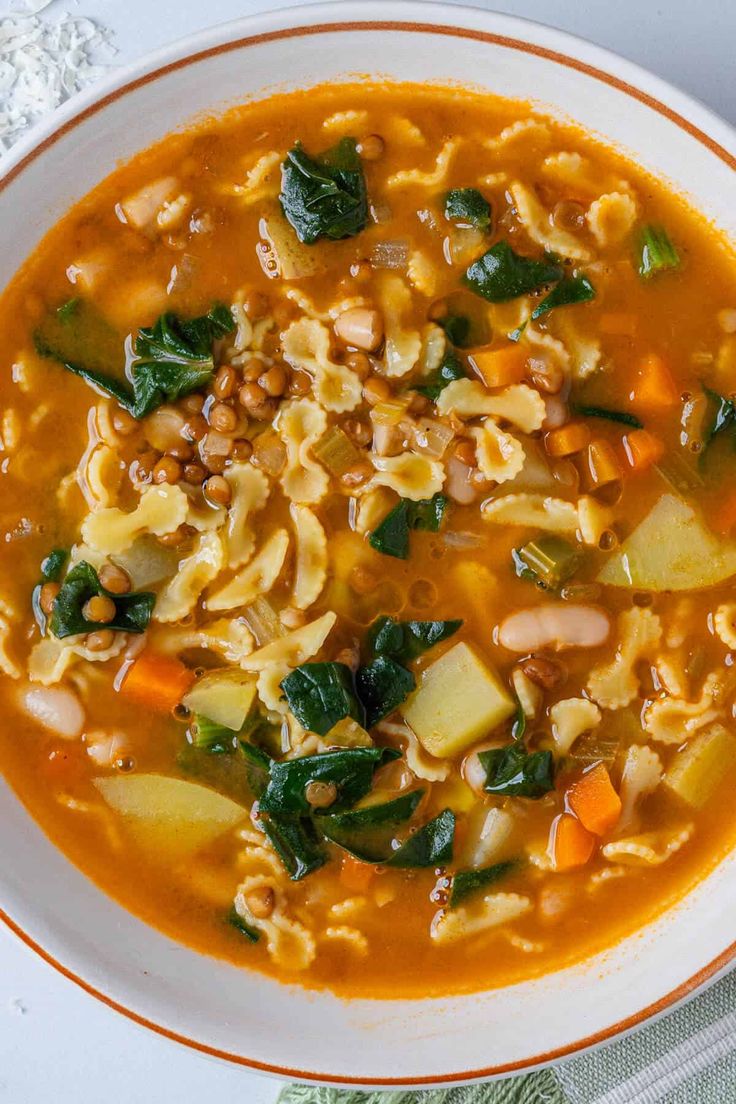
x=467 y=207
x=430 y=845
x=569 y=291
x=296 y=842
x=51 y=569
x=391 y=536
x=324 y=196
x=512 y=771
x=382 y=686
x=132 y=611
x=367 y=833
x=236 y=921
x=321 y=694
x=349 y=769
x=405 y=640
x=467 y=882
x=501 y=274
x=434 y=384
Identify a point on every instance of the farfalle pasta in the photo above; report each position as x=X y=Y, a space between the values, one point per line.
x=368 y=540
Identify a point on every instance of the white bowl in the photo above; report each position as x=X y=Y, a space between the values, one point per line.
x=206 y=1004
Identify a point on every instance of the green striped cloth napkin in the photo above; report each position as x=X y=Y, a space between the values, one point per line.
x=689 y=1057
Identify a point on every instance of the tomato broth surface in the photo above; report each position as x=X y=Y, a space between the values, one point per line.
x=366 y=612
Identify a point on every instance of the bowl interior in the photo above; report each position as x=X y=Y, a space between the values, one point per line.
x=245 y=1016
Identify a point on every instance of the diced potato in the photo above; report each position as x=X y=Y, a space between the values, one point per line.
x=697 y=769
x=348 y=733
x=136 y=303
x=671 y=549
x=459 y=700
x=168 y=816
x=284 y=255
x=141 y=208
x=225 y=697
x=91 y=270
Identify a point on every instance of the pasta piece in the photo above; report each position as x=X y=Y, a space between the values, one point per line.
x=250 y=490
x=519 y=404
x=533 y=510
x=580 y=176
x=529 y=694
x=8 y=666
x=289 y=944
x=724 y=623
x=310 y=572
x=648 y=849
x=295 y=647
x=499 y=456
x=262 y=180
x=306 y=345
x=196 y=571
x=422 y=273
x=307 y=306
x=409 y=474
x=401 y=346
x=672 y=675
x=346 y=122
x=371 y=508
x=161 y=510
x=433 y=178
x=257 y=577
x=402 y=131
x=541 y=228
x=230 y=637
x=570 y=718
x=420 y=762
x=594 y=519
x=269 y=689
x=9 y=430
x=462 y=923
x=642 y=773
x=300 y=424
x=348 y=907
x=50 y=659
x=672 y=720
x=616 y=684
x=350 y=936
x=434 y=347
x=611 y=218
x=584 y=351
x=201 y=515
x=521 y=135
x=545 y=344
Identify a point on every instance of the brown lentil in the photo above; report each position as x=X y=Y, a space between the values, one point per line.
x=141 y=469
x=300 y=383
x=465 y=452
x=357 y=475
x=358 y=431
x=544 y=672
x=167 y=470
x=275 y=381
x=215 y=464
x=376 y=389
x=371 y=147
x=320 y=795
x=438 y=310
x=255 y=305
x=175 y=538
x=114 y=579
x=99 y=608
x=223 y=418
x=123 y=422
x=217 y=490
x=47 y=597
x=261 y=901
x=225 y=383
x=195 y=428
x=363 y=580
x=359 y=363
x=242 y=449
x=181 y=451
x=195 y=473
x=192 y=404
x=253 y=370
x=100 y=640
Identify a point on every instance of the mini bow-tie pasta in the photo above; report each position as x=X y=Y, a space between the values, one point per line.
x=99 y=475
x=161 y=510
x=310 y=571
x=462 y=922
x=616 y=684
x=196 y=571
x=229 y=637
x=402 y=344
x=300 y=424
x=261 y=180
x=430 y=178
x=532 y=510
x=249 y=493
x=520 y=136
x=306 y=345
x=410 y=475
x=295 y=647
x=570 y=718
x=672 y=720
x=8 y=665
x=648 y=849
x=519 y=404
x=641 y=774
x=257 y=577
x=540 y=227
x=50 y=659
x=612 y=217
x=499 y=456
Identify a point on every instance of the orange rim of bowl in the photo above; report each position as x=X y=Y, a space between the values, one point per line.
x=686 y=988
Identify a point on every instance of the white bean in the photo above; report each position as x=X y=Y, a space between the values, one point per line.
x=360 y=327
x=554 y=625
x=105 y=748
x=459 y=485
x=474 y=774
x=556 y=412
x=57 y=709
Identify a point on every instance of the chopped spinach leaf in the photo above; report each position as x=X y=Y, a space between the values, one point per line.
x=367 y=833
x=324 y=196
x=383 y=685
x=501 y=274
x=467 y=882
x=132 y=611
x=67 y=310
x=467 y=207
x=321 y=694
x=514 y=772
x=236 y=920
x=518 y=728
x=53 y=565
x=257 y=767
x=450 y=369
x=405 y=640
x=296 y=842
x=430 y=845
x=621 y=416
x=350 y=769
x=570 y=290
x=656 y=252
x=391 y=536
x=457 y=327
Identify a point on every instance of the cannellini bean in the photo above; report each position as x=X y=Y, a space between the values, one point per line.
x=556 y=412
x=57 y=709
x=105 y=748
x=474 y=774
x=555 y=901
x=163 y=428
x=554 y=626
x=459 y=485
x=360 y=327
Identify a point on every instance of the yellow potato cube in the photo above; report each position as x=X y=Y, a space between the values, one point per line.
x=459 y=700
x=697 y=769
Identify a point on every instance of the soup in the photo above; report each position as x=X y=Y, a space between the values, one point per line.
x=366 y=612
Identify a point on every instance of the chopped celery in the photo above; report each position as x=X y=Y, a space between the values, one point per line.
x=263 y=621
x=225 y=697
x=595 y=747
x=336 y=452
x=671 y=549
x=682 y=476
x=656 y=252
x=460 y=699
x=701 y=764
x=210 y=736
x=550 y=559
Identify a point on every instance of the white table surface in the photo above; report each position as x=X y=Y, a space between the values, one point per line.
x=56 y=1043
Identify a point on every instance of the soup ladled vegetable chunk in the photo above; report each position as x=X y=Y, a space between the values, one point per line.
x=366 y=613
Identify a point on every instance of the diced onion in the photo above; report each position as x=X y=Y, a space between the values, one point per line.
x=390 y=254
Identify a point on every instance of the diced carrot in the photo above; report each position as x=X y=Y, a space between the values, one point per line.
x=356 y=875
x=571 y=843
x=602 y=465
x=567 y=440
x=642 y=449
x=723 y=518
x=654 y=386
x=593 y=800
x=618 y=323
x=157 y=681
x=499 y=367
